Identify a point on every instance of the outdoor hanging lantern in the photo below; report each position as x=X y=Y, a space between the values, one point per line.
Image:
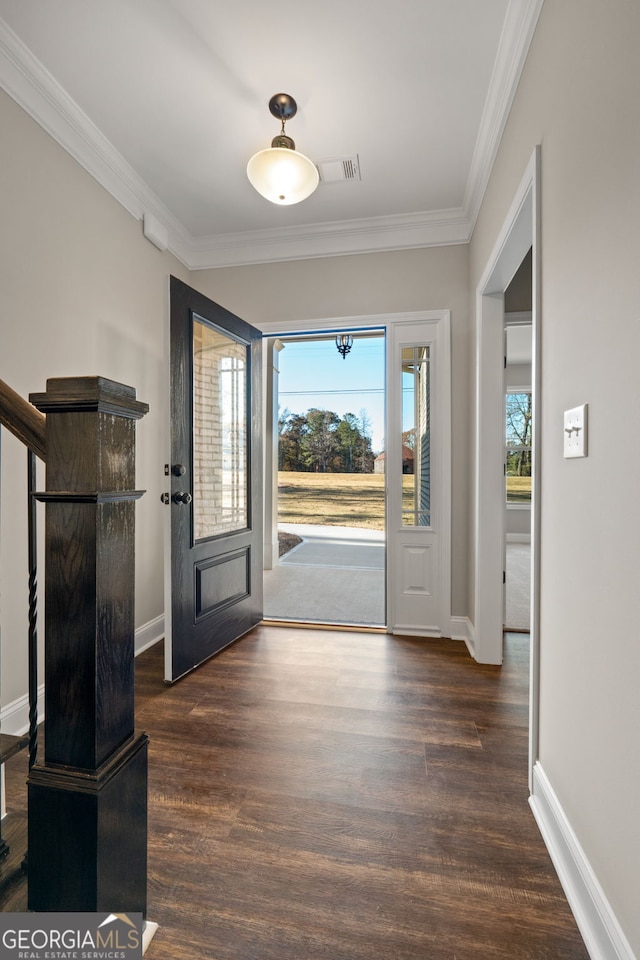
x=344 y=342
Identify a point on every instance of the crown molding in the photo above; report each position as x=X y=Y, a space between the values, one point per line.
x=336 y=238
x=517 y=34
x=25 y=79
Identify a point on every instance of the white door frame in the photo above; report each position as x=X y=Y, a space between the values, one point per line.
x=391 y=323
x=520 y=231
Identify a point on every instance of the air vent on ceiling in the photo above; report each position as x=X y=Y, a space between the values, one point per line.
x=339 y=169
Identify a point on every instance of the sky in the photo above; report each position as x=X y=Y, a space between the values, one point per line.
x=315 y=375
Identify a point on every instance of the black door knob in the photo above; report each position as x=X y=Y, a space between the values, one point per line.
x=178 y=470
x=181 y=497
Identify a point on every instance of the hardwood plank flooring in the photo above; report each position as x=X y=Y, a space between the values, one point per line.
x=345 y=796
x=319 y=794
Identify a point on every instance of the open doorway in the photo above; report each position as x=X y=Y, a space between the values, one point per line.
x=519 y=233
x=518 y=448
x=331 y=550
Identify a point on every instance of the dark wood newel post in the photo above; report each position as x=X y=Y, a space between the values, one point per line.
x=88 y=796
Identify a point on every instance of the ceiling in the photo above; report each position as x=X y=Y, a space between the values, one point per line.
x=164 y=101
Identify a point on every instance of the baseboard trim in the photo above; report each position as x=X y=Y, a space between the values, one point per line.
x=410 y=630
x=518 y=538
x=148 y=634
x=149 y=931
x=469 y=635
x=596 y=920
x=14 y=718
x=461 y=629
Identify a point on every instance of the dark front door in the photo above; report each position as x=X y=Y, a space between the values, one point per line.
x=215 y=485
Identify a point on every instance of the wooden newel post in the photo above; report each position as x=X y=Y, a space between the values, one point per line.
x=88 y=798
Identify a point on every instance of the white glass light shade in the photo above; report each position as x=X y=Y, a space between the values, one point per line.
x=282 y=176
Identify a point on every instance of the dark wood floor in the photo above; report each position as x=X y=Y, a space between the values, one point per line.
x=321 y=795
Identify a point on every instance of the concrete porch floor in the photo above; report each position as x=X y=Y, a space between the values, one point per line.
x=336 y=575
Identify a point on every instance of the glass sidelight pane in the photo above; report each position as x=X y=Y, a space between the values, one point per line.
x=220 y=432
x=416 y=436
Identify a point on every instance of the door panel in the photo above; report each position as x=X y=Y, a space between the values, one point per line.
x=216 y=479
x=418 y=465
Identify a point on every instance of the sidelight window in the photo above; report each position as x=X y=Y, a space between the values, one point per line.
x=416 y=436
x=220 y=434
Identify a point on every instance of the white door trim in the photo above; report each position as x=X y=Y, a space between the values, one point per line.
x=520 y=231
x=390 y=322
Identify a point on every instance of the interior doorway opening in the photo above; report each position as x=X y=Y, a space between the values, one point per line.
x=518 y=302
x=328 y=480
x=520 y=232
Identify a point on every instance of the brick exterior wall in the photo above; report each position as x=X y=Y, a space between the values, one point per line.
x=220 y=433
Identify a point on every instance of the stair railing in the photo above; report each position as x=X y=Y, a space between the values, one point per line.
x=23 y=420
x=29 y=426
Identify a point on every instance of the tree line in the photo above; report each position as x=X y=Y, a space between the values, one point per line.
x=519 y=411
x=320 y=441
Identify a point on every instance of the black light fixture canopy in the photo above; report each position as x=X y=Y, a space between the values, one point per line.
x=283 y=106
x=344 y=342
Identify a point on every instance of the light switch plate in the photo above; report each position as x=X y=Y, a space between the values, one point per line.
x=575 y=431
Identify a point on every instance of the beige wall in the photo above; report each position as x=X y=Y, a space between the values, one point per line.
x=378 y=283
x=81 y=293
x=579 y=97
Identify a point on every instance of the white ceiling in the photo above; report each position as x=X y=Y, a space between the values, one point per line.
x=164 y=101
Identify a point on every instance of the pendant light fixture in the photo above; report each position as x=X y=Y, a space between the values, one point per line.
x=344 y=342
x=281 y=174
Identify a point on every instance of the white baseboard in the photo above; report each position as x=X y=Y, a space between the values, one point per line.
x=148 y=634
x=14 y=718
x=518 y=538
x=149 y=931
x=461 y=629
x=596 y=920
x=419 y=632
